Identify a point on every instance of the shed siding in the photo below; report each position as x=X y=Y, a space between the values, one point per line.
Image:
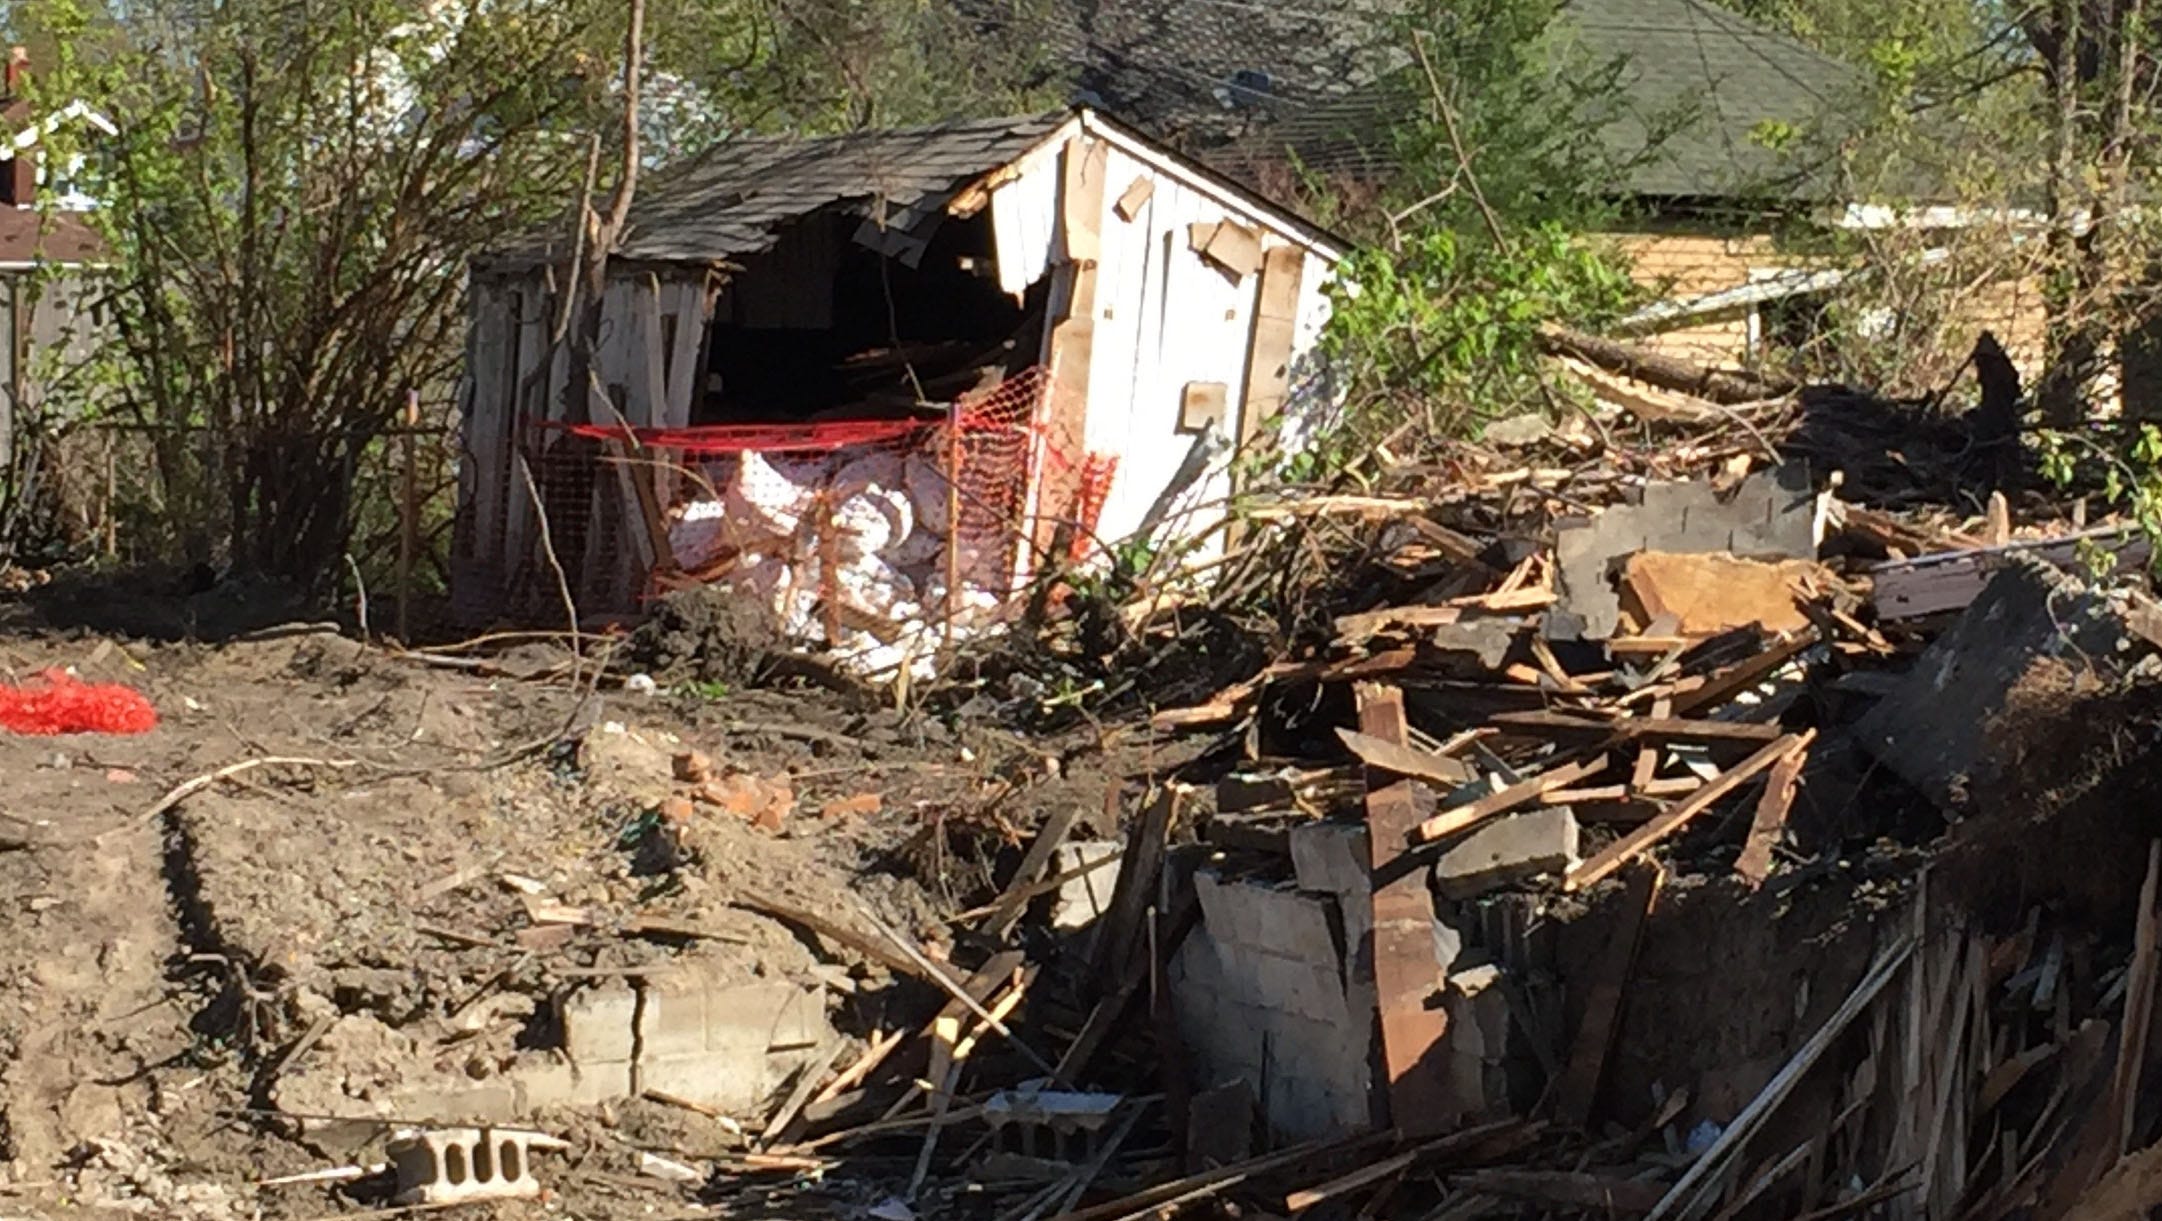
x=1165 y=318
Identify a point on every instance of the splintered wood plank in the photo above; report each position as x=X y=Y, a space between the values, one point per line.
x=1406 y=974
x=1647 y=764
x=1119 y=932
x=1730 y=682
x=1639 y=841
x=1405 y=760
x=1639 y=729
x=1579 y=1088
x=1523 y=793
x=1268 y=356
x=1755 y=862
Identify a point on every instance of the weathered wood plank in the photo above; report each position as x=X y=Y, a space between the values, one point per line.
x=1637 y=842
x=1636 y=729
x=1406 y=974
x=1947 y=581
x=1522 y=793
x=1755 y=862
x=1406 y=760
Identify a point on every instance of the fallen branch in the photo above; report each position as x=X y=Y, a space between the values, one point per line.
x=1669 y=372
x=189 y=788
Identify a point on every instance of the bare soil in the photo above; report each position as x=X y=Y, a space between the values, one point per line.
x=301 y=934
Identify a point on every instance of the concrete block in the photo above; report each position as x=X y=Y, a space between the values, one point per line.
x=1508 y=850
x=1266 y=917
x=1081 y=900
x=600 y=1024
x=1306 y=989
x=494 y=1101
x=1331 y=857
x=546 y=1083
x=456 y=1165
x=732 y=1083
x=1773 y=514
x=1480 y=1023
x=801 y=1024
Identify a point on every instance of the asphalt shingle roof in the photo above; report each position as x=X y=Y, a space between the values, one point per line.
x=732 y=200
x=1215 y=73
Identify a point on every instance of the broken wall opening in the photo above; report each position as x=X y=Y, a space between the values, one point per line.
x=824 y=327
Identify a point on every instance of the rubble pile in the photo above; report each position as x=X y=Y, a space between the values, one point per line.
x=1724 y=819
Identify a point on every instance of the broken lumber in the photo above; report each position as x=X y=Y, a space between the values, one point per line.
x=1637 y=729
x=1692 y=1192
x=1120 y=929
x=1770 y=820
x=1572 y=1191
x=1522 y=793
x=1637 y=842
x=1212 y=1182
x=826 y=929
x=1406 y=973
x=1405 y=760
x=1374 y=1172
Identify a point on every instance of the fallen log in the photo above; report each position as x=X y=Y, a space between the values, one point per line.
x=1667 y=372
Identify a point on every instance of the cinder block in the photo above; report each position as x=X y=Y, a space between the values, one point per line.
x=1331 y=857
x=672 y=1021
x=547 y=1083
x=1508 y=850
x=801 y=1023
x=600 y=1025
x=455 y=1165
x=1082 y=899
x=1227 y=912
x=493 y=1101
x=1296 y=926
x=733 y=1083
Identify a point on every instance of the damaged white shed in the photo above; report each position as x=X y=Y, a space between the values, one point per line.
x=880 y=379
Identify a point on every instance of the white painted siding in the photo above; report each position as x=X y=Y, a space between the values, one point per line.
x=1165 y=318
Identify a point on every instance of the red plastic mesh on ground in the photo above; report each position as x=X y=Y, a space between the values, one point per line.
x=61 y=704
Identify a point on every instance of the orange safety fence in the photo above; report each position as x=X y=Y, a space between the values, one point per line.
x=846 y=527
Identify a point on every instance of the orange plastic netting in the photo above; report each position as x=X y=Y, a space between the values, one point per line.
x=61 y=704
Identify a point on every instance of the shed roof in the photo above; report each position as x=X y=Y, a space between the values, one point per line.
x=732 y=200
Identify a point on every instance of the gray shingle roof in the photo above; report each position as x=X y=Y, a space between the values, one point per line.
x=1221 y=73
x=1725 y=81
x=731 y=201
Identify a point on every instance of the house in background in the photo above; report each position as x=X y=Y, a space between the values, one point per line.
x=1724 y=137
x=803 y=337
x=48 y=255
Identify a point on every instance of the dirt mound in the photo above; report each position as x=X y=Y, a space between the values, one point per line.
x=706 y=634
x=2074 y=804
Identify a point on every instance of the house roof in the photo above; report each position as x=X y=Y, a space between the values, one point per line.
x=28 y=236
x=732 y=200
x=1723 y=80
x=1218 y=74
